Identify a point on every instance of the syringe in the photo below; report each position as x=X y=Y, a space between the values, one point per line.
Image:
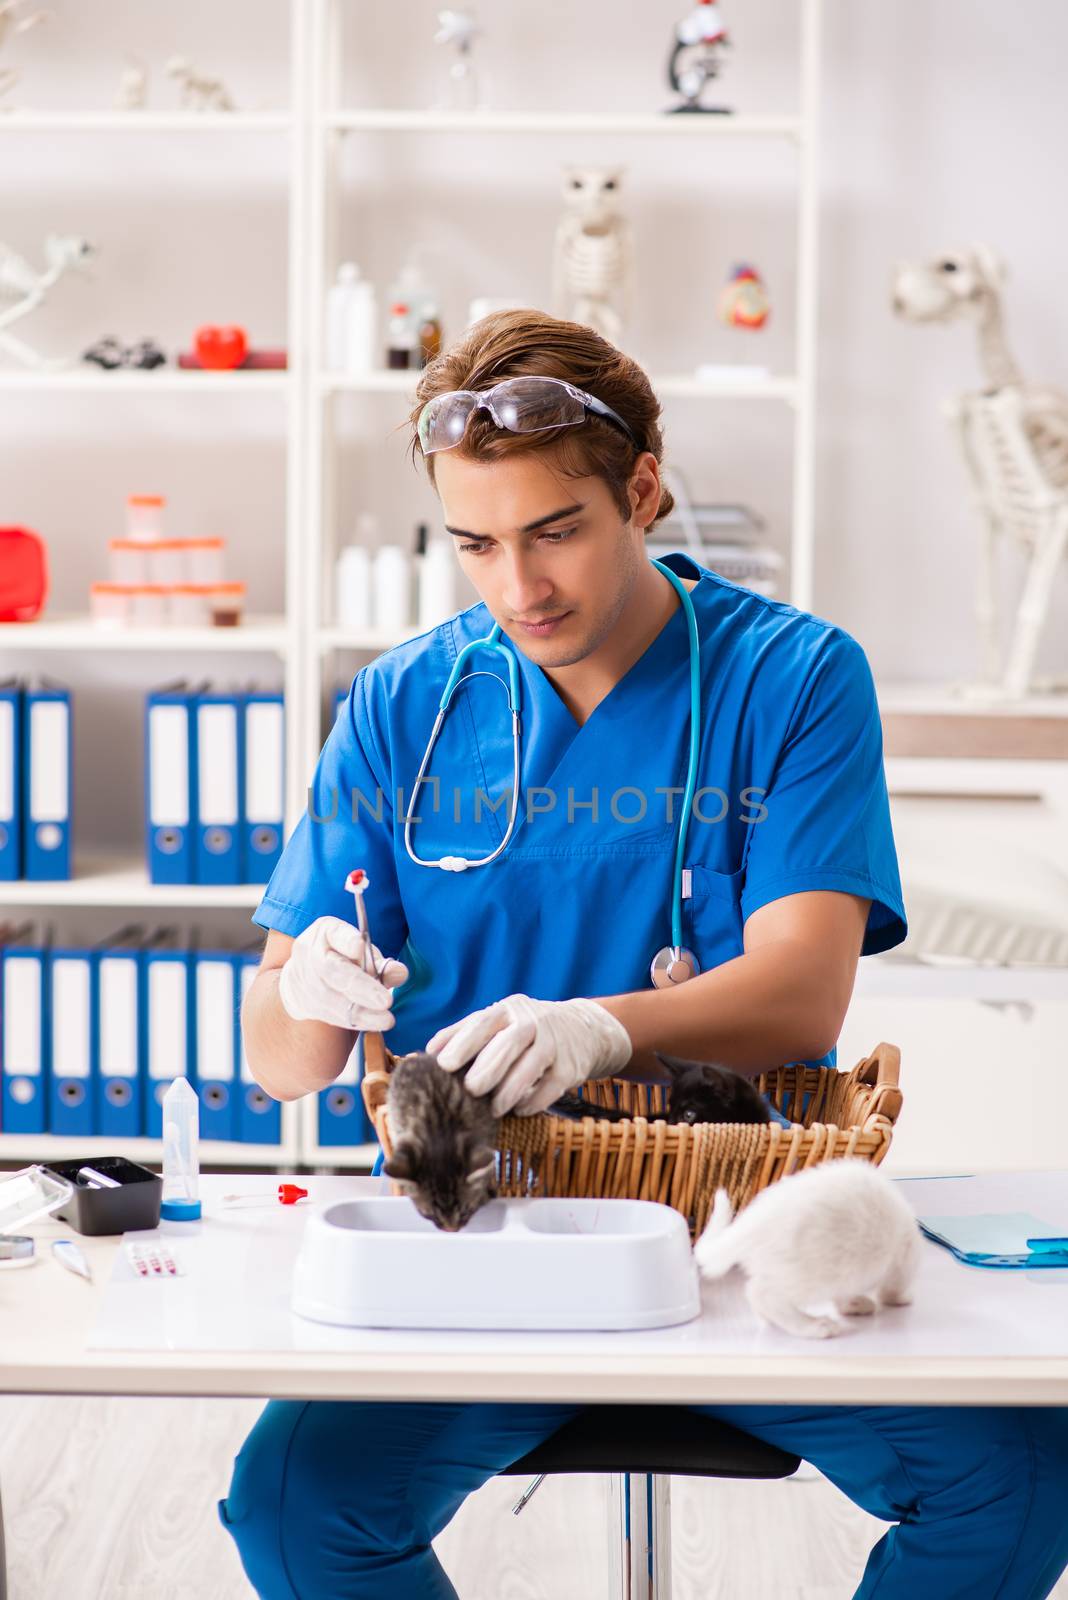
x=181 y=1161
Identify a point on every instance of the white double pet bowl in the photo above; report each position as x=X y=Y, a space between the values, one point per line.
x=533 y=1264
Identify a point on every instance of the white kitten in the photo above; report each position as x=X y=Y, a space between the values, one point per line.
x=838 y=1233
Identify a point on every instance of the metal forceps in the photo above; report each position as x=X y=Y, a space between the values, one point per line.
x=357 y=883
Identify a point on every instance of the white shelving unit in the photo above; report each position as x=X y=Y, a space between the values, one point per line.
x=123 y=884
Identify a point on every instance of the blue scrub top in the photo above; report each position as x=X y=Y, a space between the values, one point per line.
x=791 y=797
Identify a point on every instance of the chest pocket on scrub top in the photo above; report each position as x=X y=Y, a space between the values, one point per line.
x=712 y=915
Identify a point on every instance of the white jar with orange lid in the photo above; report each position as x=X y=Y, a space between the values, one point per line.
x=128 y=561
x=144 y=517
x=111 y=604
x=188 y=605
x=204 y=560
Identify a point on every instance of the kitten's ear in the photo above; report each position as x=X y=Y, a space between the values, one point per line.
x=672 y=1063
x=483 y=1163
x=401 y=1165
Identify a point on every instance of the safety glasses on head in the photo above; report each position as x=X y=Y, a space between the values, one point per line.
x=519 y=405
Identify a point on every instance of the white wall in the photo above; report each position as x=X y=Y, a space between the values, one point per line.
x=940 y=124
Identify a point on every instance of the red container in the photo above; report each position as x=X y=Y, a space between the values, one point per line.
x=23 y=574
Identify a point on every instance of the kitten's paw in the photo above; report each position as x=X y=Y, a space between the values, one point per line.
x=858 y=1305
x=897 y=1297
x=820 y=1328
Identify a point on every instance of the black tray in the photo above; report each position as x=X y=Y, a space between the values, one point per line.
x=134 y=1204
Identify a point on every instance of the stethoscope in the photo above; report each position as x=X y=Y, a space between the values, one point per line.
x=673 y=964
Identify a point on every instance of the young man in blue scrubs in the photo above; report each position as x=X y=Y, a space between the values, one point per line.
x=536 y=964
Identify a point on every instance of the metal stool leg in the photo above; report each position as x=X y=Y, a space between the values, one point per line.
x=642 y=1513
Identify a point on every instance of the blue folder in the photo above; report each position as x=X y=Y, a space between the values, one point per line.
x=215 y=1005
x=24 y=1038
x=168 y=1029
x=220 y=775
x=72 y=1049
x=46 y=778
x=260 y=1117
x=10 y=781
x=120 y=1040
x=170 y=784
x=264 y=792
x=342 y=1120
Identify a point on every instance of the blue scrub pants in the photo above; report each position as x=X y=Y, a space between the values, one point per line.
x=339 y=1500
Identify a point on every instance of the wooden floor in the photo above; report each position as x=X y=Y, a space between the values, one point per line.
x=115 y=1500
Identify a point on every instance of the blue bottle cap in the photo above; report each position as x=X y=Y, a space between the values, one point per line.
x=180 y=1210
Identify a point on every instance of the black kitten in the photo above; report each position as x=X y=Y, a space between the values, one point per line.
x=443 y=1141
x=699 y=1092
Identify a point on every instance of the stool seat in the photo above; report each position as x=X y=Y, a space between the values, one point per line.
x=663 y=1440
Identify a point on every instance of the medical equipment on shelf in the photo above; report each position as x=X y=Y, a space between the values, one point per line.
x=459 y=89
x=391 y=586
x=544 y=1263
x=181 y=1165
x=671 y=965
x=696 y=47
x=351 y=322
x=67 y=1253
x=352 y=587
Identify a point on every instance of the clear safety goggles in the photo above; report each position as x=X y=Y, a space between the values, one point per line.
x=519 y=405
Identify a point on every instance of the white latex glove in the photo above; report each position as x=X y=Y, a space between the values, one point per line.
x=324 y=979
x=529 y=1052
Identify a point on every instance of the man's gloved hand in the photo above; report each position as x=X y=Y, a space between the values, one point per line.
x=529 y=1052
x=324 y=980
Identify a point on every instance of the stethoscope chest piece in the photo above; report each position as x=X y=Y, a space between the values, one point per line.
x=673 y=965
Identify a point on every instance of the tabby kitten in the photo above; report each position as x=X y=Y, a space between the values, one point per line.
x=443 y=1141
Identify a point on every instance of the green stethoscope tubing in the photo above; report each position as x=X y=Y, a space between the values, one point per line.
x=492 y=645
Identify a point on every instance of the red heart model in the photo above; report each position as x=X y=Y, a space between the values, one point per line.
x=220 y=349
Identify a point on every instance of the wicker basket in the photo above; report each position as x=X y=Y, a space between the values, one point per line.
x=642 y=1158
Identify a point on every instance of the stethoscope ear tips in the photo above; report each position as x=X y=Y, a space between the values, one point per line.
x=671 y=966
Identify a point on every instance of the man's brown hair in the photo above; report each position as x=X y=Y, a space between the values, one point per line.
x=513 y=344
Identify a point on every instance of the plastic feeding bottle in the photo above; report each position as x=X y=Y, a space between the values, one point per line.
x=181 y=1160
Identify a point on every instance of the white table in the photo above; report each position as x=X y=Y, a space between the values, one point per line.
x=971 y=1336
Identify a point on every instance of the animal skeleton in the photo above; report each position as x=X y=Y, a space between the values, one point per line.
x=27 y=288
x=1014 y=437
x=10 y=24
x=593 y=259
x=197 y=92
x=132 y=93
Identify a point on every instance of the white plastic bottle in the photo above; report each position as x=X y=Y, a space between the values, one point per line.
x=340 y=302
x=391 y=585
x=361 y=333
x=353 y=595
x=437 y=583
